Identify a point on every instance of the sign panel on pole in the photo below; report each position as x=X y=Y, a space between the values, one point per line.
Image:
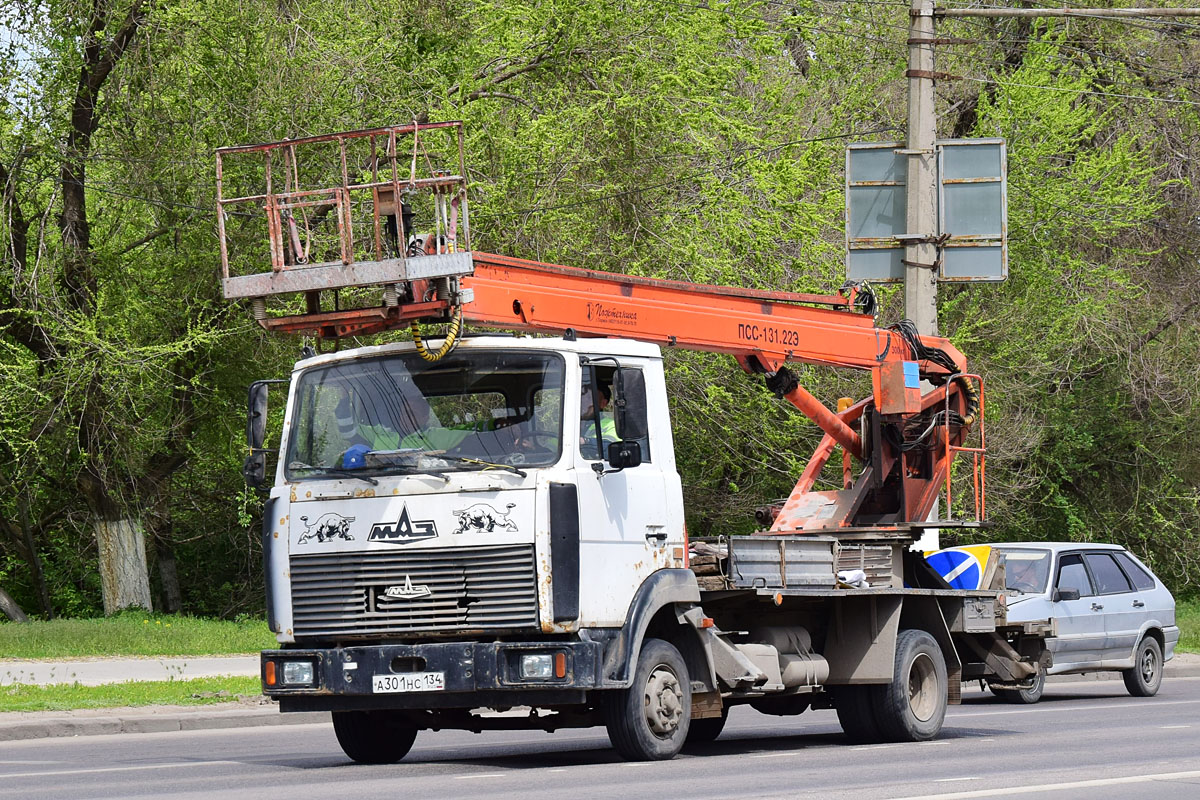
x=972 y=211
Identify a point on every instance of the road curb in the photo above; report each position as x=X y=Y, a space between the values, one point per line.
x=16 y=725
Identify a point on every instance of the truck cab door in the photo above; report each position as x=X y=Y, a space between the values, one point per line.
x=629 y=526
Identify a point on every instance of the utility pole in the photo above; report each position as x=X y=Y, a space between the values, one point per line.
x=920 y=250
x=921 y=253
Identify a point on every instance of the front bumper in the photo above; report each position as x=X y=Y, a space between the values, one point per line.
x=476 y=675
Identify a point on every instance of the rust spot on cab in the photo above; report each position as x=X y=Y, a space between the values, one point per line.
x=364 y=492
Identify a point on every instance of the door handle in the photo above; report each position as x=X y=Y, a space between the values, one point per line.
x=1138 y=604
x=657 y=534
x=1097 y=607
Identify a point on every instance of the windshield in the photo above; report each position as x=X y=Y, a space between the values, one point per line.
x=470 y=411
x=1026 y=571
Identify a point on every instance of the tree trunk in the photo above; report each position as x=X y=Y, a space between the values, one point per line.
x=35 y=560
x=123 y=574
x=10 y=609
x=172 y=596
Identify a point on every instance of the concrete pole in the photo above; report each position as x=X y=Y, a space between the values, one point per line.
x=920 y=257
x=920 y=275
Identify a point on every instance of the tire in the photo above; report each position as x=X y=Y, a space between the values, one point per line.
x=374 y=737
x=856 y=713
x=703 y=731
x=1023 y=696
x=649 y=721
x=913 y=706
x=1146 y=675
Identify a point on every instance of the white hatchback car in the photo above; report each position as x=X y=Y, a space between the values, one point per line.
x=1111 y=612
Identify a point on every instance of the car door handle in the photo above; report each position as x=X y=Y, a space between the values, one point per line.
x=1097 y=607
x=656 y=533
x=1138 y=604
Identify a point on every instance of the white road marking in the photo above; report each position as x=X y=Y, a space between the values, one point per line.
x=484 y=775
x=1172 y=727
x=874 y=746
x=793 y=754
x=1055 y=787
x=97 y=770
x=956 y=780
x=1043 y=710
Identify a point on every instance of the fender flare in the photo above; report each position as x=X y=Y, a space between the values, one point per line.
x=664 y=588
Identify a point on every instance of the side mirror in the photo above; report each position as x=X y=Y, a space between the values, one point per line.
x=1065 y=594
x=254 y=469
x=624 y=454
x=630 y=412
x=256 y=415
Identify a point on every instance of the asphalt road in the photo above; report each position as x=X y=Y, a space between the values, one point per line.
x=1085 y=740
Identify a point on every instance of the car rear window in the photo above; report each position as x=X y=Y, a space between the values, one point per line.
x=1109 y=577
x=1141 y=579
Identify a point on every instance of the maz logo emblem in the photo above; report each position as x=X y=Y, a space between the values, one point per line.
x=403 y=530
x=407 y=591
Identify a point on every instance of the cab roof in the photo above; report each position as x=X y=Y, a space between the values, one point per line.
x=556 y=344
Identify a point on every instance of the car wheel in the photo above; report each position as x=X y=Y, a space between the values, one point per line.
x=913 y=706
x=1146 y=676
x=649 y=721
x=1026 y=696
x=374 y=737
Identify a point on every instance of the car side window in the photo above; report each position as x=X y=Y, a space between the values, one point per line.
x=1073 y=575
x=1109 y=578
x=1141 y=579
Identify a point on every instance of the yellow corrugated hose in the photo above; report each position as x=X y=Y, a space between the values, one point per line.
x=447 y=345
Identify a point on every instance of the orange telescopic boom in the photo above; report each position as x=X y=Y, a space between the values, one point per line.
x=905 y=439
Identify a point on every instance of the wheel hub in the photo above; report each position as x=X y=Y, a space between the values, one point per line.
x=663 y=702
x=1149 y=666
x=922 y=687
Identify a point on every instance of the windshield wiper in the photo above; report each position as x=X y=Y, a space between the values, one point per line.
x=344 y=473
x=482 y=463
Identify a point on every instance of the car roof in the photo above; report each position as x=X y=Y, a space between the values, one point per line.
x=1057 y=547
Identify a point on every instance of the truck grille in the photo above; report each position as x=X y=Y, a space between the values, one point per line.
x=431 y=591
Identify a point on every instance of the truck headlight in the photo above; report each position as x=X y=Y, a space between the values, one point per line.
x=297 y=673
x=539 y=665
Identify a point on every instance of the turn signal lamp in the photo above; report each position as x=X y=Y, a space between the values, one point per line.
x=269 y=672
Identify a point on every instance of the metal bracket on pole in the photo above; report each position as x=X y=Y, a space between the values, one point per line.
x=949 y=40
x=936 y=76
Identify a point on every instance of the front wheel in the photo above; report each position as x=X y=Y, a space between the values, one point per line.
x=1027 y=696
x=913 y=706
x=374 y=737
x=1147 y=673
x=649 y=721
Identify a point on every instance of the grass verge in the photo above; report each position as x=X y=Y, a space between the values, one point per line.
x=61 y=697
x=1187 y=617
x=133 y=633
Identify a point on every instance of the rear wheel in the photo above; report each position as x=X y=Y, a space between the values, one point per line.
x=856 y=713
x=913 y=706
x=374 y=737
x=649 y=721
x=1026 y=696
x=1146 y=676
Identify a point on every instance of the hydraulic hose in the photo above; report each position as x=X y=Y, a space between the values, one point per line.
x=447 y=345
